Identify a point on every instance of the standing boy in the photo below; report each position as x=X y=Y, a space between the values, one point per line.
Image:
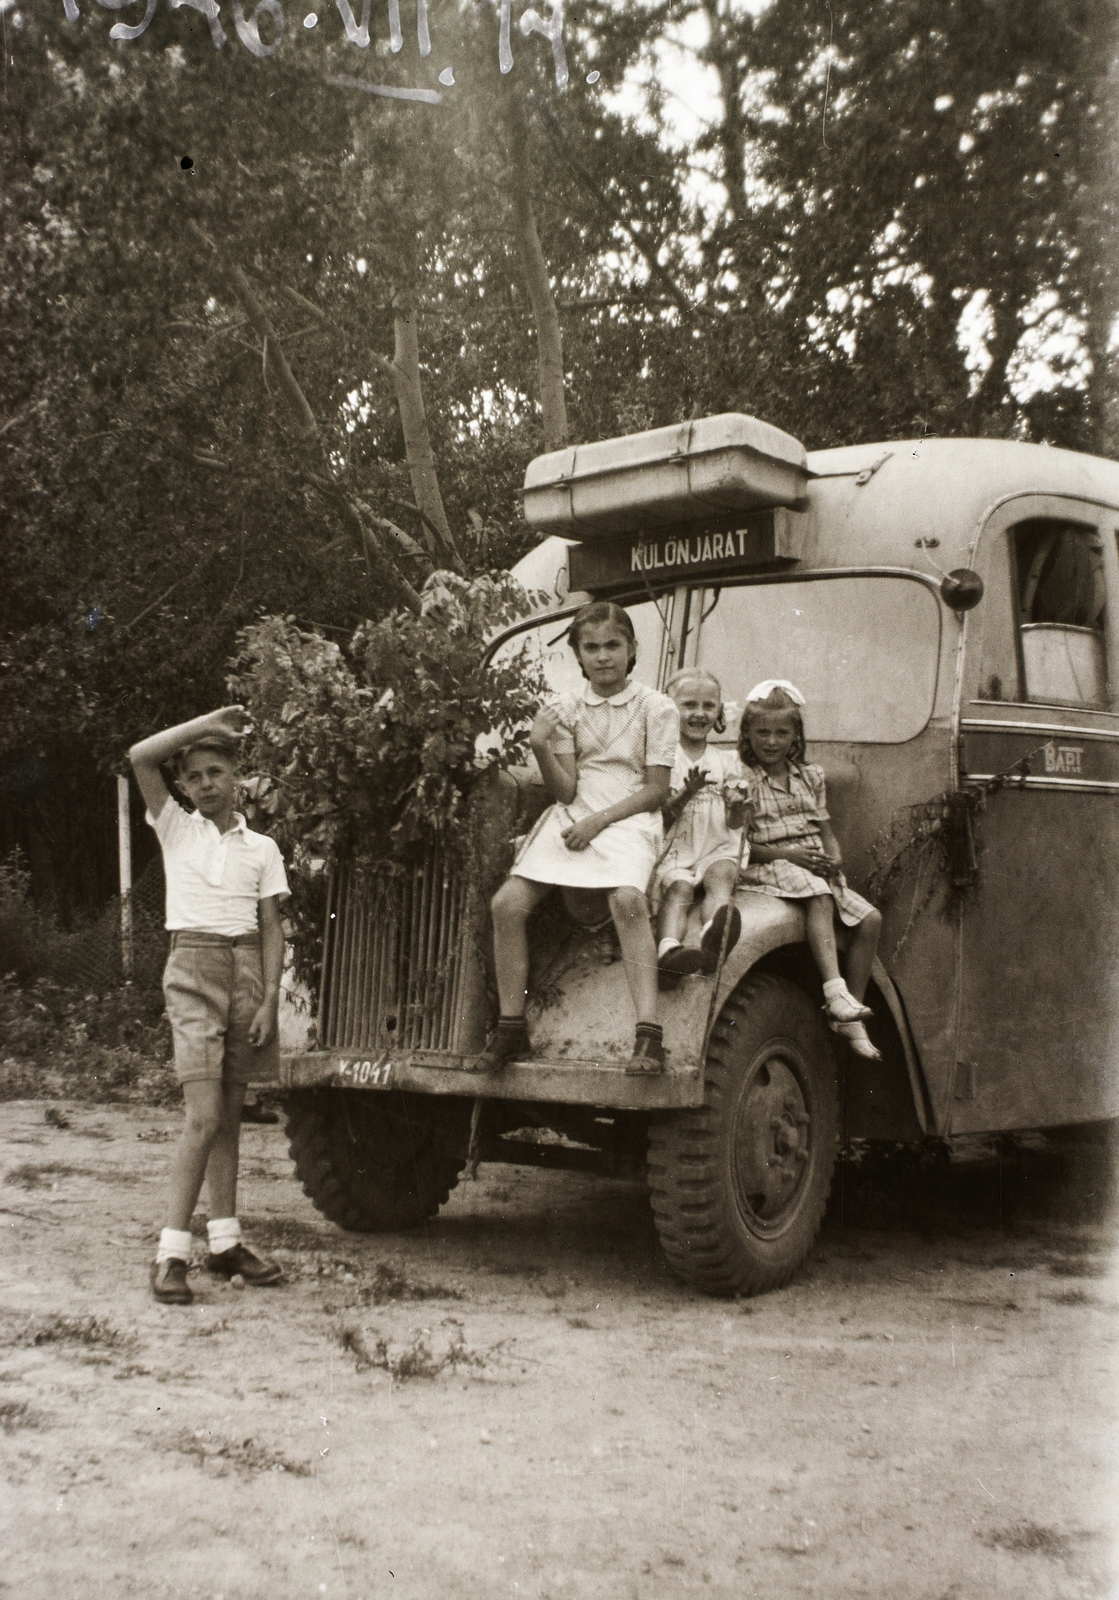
x=221 y=982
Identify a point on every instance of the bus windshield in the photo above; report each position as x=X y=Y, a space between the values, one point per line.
x=545 y=647
x=863 y=651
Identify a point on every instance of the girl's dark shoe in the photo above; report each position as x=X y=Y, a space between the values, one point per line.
x=509 y=1042
x=169 y=1283
x=648 y=1051
x=242 y=1260
x=712 y=942
x=677 y=963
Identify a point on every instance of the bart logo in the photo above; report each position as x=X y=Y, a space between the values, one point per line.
x=1063 y=758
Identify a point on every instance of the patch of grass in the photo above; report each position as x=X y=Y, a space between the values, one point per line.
x=244 y=1455
x=1028 y=1537
x=31 y=1176
x=415 y=1360
x=388 y=1284
x=55 y=1117
x=16 y=1414
x=59 y=1329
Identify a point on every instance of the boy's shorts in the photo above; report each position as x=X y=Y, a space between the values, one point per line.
x=214 y=986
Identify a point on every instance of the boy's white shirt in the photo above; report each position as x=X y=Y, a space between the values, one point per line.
x=215 y=880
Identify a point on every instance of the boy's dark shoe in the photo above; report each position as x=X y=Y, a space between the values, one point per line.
x=679 y=962
x=712 y=941
x=169 y=1282
x=241 y=1260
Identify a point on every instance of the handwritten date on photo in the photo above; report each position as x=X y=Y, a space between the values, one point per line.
x=248 y=27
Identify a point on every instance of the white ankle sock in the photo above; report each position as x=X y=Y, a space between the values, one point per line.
x=223 y=1234
x=174 y=1244
x=667 y=944
x=836 y=986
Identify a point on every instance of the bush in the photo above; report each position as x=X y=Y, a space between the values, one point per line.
x=368 y=752
x=57 y=1042
x=26 y=933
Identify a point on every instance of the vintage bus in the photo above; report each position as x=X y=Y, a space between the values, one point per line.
x=950 y=609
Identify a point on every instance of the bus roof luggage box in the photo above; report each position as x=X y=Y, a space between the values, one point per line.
x=690 y=472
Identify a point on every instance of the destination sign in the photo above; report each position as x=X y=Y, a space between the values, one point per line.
x=763 y=539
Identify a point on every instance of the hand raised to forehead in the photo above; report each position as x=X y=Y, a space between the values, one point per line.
x=232 y=720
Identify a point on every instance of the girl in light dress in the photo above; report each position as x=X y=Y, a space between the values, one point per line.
x=605 y=755
x=794 y=854
x=703 y=851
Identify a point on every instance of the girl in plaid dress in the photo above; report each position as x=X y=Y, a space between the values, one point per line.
x=794 y=854
x=605 y=756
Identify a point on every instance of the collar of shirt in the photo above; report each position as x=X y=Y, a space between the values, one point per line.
x=793 y=769
x=239 y=824
x=219 y=846
x=622 y=697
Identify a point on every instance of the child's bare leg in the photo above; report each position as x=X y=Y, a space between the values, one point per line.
x=821 y=935
x=512 y=906
x=630 y=911
x=718 y=887
x=844 y=1008
x=221 y=1168
x=861 y=952
x=675 y=905
x=204 y=1116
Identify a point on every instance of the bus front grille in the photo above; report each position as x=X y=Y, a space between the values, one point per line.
x=393 y=967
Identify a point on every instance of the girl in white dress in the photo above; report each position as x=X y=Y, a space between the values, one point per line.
x=795 y=855
x=703 y=852
x=605 y=756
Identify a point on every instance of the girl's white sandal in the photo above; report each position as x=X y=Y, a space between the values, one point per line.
x=845 y=1008
x=856 y=1036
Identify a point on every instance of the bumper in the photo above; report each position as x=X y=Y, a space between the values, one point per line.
x=595 y=1083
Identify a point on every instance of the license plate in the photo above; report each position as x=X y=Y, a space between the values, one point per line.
x=365 y=1072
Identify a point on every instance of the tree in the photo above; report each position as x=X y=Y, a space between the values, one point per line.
x=910 y=187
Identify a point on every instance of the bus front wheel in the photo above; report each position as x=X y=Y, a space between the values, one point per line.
x=740 y=1184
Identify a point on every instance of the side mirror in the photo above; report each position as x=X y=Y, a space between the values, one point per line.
x=961 y=589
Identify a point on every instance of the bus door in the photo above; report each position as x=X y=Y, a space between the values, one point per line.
x=1037 y=1039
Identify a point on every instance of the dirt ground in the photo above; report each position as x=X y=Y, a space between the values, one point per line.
x=520 y=1401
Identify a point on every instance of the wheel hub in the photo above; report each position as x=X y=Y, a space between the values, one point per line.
x=771 y=1143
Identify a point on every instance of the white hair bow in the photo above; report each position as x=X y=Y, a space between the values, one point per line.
x=762 y=691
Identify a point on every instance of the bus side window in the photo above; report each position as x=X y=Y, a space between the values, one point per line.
x=1060 y=595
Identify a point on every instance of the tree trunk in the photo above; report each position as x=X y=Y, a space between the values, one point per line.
x=549 y=336
x=404 y=370
x=274 y=358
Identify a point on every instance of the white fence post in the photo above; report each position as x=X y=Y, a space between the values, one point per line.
x=124 y=849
